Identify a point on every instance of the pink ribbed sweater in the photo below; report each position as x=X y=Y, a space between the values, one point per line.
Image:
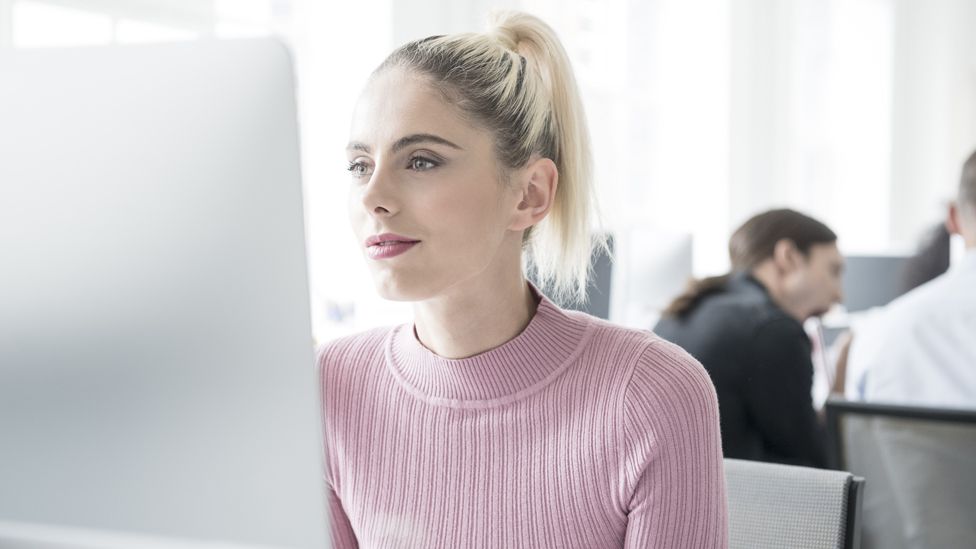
x=576 y=433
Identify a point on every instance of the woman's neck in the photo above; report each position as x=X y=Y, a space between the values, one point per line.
x=475 y=315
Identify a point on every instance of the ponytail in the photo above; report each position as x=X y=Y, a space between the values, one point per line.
x=694 y=292
x=560 y=247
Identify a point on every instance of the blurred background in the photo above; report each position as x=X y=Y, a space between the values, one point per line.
x=702 y=112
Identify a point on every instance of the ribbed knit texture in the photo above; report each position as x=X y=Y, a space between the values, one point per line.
x=576 y=433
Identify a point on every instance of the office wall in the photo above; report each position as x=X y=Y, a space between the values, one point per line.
x=811 y=113
x=859 y=111
x=6 y=19
x=934 y=108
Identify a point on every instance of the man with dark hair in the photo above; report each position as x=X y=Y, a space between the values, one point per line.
x=921 y=349
x=746 y=328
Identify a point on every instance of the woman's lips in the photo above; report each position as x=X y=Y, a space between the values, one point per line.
x=386 y=250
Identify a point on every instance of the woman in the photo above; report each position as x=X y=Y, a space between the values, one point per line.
x=747 y=329
x=497 y=419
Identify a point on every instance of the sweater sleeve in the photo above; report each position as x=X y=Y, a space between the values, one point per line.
x=341 y=531
x=342 y=534
x=675 y=485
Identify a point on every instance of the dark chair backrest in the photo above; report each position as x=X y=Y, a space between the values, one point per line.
x=775 y=506
x=920 y=465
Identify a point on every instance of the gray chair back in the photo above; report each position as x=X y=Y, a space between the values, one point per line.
x=921 y=467
x=777 y=506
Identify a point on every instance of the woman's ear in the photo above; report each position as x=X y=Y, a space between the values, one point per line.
x=536 y=183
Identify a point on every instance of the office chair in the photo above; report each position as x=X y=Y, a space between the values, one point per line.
x=921 y=466
x=777 y=506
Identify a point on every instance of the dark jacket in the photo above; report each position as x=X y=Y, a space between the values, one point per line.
x=759 y=359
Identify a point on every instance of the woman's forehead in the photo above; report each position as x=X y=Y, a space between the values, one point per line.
x=397 y=103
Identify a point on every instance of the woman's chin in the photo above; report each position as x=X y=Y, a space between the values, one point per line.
x=401 y=290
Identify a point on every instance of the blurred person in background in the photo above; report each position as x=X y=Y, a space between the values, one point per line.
x=746 y=328
x=921 y=348
x=930 y=260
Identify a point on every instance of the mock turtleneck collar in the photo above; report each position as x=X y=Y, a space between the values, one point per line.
x=523 y=365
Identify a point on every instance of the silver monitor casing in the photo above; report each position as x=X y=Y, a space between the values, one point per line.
x=156 y=359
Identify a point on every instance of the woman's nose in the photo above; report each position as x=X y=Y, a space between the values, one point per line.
x=378 y=197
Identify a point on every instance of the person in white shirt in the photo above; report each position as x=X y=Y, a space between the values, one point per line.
x=921 y=349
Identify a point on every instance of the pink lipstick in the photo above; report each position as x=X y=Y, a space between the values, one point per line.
x=387 y=245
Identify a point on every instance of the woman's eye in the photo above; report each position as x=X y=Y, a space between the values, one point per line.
x=358 y=169
x=420 y=163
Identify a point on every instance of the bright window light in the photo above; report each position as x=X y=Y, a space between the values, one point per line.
x=42 y=25
x=129 y=31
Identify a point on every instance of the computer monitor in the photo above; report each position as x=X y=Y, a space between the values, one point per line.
x=644 y=270
x=872 y=280
x=651 y=267
x=156 y=357
x=597 y=301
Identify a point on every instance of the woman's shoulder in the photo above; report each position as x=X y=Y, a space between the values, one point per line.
x=610 y=333
x=673 y=366
x=670 y=395
x=669 y=405
x=650 y=354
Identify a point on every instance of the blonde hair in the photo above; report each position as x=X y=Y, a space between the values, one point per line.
x=516 y=80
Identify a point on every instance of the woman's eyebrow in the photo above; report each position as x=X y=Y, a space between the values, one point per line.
x=357 y=146
x=406 y=141
x=422 y=138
